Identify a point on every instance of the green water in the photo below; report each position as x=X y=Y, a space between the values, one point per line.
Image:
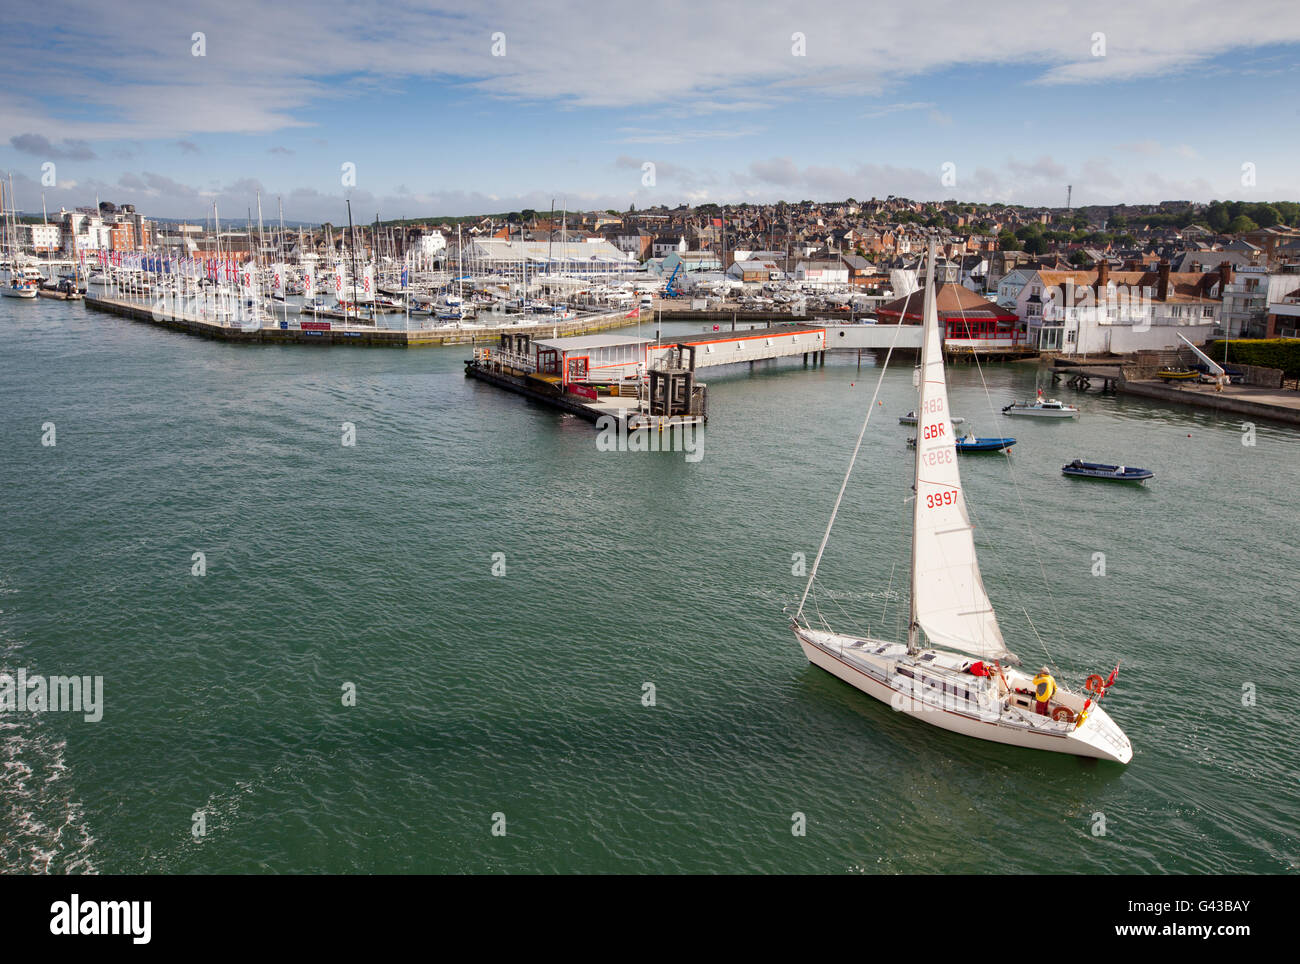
x=521 y=694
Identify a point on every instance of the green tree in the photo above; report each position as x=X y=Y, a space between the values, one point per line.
x=1289 y=211
x=1217 y=216
x=1080 y=258
x=1241 y=224
x=1007 y=241
x=1265 y=215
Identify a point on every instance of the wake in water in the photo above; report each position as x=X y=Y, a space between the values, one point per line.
x=42 y=827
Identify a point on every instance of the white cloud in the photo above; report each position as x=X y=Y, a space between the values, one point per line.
x=265 y=64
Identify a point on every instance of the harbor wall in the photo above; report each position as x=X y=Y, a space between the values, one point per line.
x=1222 y=402
x=280 y=332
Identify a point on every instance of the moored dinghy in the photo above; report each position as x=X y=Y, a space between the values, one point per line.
x=963 y=679
x=971 y=443
x=1110 y=473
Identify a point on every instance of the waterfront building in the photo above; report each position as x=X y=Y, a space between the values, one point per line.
x=822 y=272
x=967 y=321
x=1104 y=311
x=509 y=258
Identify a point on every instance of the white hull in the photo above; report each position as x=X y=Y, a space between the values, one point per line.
x=1042 y=413
x=18 y=292
x=1042 y=409
x=1098 y=737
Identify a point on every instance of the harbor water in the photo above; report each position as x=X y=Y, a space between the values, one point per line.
x=564 y=659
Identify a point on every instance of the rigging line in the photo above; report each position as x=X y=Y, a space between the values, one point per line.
x=844 y=485
x=888 y=592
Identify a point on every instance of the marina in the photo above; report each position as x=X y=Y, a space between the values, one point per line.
x=300 y=329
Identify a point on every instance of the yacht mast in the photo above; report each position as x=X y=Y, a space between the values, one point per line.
x=913 y=629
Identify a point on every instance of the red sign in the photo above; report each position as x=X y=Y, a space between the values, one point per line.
x=583 y=390
x=315 y=326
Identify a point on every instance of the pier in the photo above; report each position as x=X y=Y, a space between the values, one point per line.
x=639 y=383
x=1081 y=377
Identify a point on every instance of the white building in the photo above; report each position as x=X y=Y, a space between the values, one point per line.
x=662 y=247
x=822 y=272
x=588 y=257
x=1104 y=311
x=431 y=245
x=88 y=230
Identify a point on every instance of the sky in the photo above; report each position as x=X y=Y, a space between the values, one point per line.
x=417 y=110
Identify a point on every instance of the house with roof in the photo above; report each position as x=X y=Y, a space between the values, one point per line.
x=968 y=322
x=822 y=272
x=665 y=245
x=1105 y=311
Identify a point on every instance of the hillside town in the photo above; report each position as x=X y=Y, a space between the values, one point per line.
x=1223 y=268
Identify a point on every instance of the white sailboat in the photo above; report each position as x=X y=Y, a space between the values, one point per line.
x=21 y=280
x=964 y=678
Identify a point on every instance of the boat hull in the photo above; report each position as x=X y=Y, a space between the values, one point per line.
x=1087 y=741
x=1106 y=473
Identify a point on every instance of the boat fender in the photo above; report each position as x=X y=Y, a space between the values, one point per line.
x=1063 y=714
x=1094 y=684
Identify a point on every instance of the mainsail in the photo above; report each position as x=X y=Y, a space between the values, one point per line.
x=948 y=598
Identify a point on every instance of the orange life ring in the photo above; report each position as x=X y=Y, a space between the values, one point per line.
x=1094 y=684
x=1063 y=714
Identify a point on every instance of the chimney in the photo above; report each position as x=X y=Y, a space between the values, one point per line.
x=1130 y=265
x=1162 y=285
x=1225 y=275
x=1103 y=275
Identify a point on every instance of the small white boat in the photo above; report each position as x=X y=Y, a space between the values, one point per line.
x=1044 y=408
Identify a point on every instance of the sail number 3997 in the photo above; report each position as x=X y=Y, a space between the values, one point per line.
x=936 y=499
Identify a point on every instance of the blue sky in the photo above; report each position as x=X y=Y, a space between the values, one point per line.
x=494 y=106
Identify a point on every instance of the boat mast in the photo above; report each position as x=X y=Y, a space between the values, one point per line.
x=913 y=630
x=352 y=249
